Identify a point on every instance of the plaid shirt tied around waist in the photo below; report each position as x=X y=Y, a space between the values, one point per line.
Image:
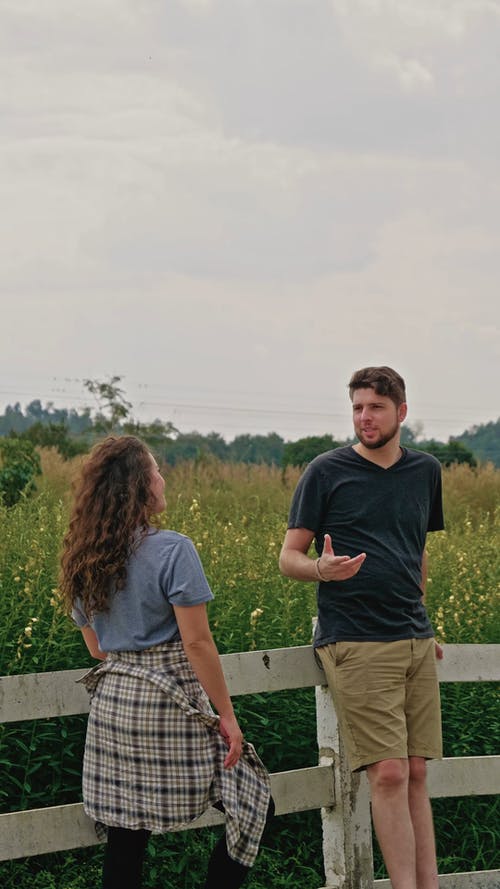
x=154 y=756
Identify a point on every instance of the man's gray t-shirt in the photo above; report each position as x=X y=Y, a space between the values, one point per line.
x=165 y=570
x=385 y=513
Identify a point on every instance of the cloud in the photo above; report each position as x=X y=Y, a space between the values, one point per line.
x=411 y=74
x=405 y=24
x=255 y=192
x=413 y=41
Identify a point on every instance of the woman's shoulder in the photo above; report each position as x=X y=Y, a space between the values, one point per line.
x=162 y=539
x=161 y=547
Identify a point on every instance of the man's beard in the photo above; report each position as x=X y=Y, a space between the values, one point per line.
x=381 y=442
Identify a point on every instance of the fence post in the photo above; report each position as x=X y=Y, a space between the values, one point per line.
x=347 y=836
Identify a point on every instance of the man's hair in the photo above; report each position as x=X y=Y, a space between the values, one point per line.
x=384 y=380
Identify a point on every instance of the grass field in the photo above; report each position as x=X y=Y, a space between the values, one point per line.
x=236 y=515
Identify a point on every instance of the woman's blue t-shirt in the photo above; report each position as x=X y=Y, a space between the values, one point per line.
x=165 y=570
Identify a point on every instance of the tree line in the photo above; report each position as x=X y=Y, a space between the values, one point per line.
x=73 y=432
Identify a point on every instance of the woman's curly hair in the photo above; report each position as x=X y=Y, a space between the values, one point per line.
x=110 y=516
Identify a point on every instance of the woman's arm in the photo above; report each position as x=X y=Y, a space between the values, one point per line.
x=92 y=643
x=203 y=656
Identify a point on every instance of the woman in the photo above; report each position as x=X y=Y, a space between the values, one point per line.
x=156 y=756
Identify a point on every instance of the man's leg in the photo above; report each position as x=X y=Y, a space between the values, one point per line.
x=387 y=700
x=423 y=828
x=389 y=780
x=402 y=817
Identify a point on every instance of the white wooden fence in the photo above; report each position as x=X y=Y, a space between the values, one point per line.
x=342 y=797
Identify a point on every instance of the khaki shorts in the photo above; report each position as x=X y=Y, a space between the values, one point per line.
x=386 y=696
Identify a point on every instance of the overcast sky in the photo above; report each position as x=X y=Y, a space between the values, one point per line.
x=233 y=204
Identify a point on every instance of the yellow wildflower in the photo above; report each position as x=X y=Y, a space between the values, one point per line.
x=255 y=615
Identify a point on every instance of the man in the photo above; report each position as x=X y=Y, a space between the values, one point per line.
x=376 y=501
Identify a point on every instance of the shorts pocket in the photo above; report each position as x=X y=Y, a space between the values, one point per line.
x=341 y=652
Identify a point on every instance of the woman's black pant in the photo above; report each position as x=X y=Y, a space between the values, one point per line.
x=125 y=852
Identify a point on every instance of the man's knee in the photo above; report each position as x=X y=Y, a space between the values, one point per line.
x=388 y=774
x=418 y=770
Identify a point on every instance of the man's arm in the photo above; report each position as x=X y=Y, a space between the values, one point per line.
x=423 y=587
x=294 y=561
x=423 y=573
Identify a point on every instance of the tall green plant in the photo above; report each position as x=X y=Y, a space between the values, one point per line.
x=19 y=464
x=236 y=515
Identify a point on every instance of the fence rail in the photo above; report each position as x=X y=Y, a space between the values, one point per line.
x=342 y=797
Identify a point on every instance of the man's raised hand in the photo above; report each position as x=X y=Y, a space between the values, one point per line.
x=332 y=567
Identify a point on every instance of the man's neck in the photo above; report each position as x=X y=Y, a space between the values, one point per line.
x=385 y=457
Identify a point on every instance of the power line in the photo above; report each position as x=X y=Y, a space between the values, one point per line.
x=288 y=414
x=232 y=409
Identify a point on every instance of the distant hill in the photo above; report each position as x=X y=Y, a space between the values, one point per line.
x=483 y=441
x=72 y=432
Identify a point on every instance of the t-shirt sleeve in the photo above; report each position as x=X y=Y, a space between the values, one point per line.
x=309 y=501
x=182 y=578
x=436 y=518
x=78 y=615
